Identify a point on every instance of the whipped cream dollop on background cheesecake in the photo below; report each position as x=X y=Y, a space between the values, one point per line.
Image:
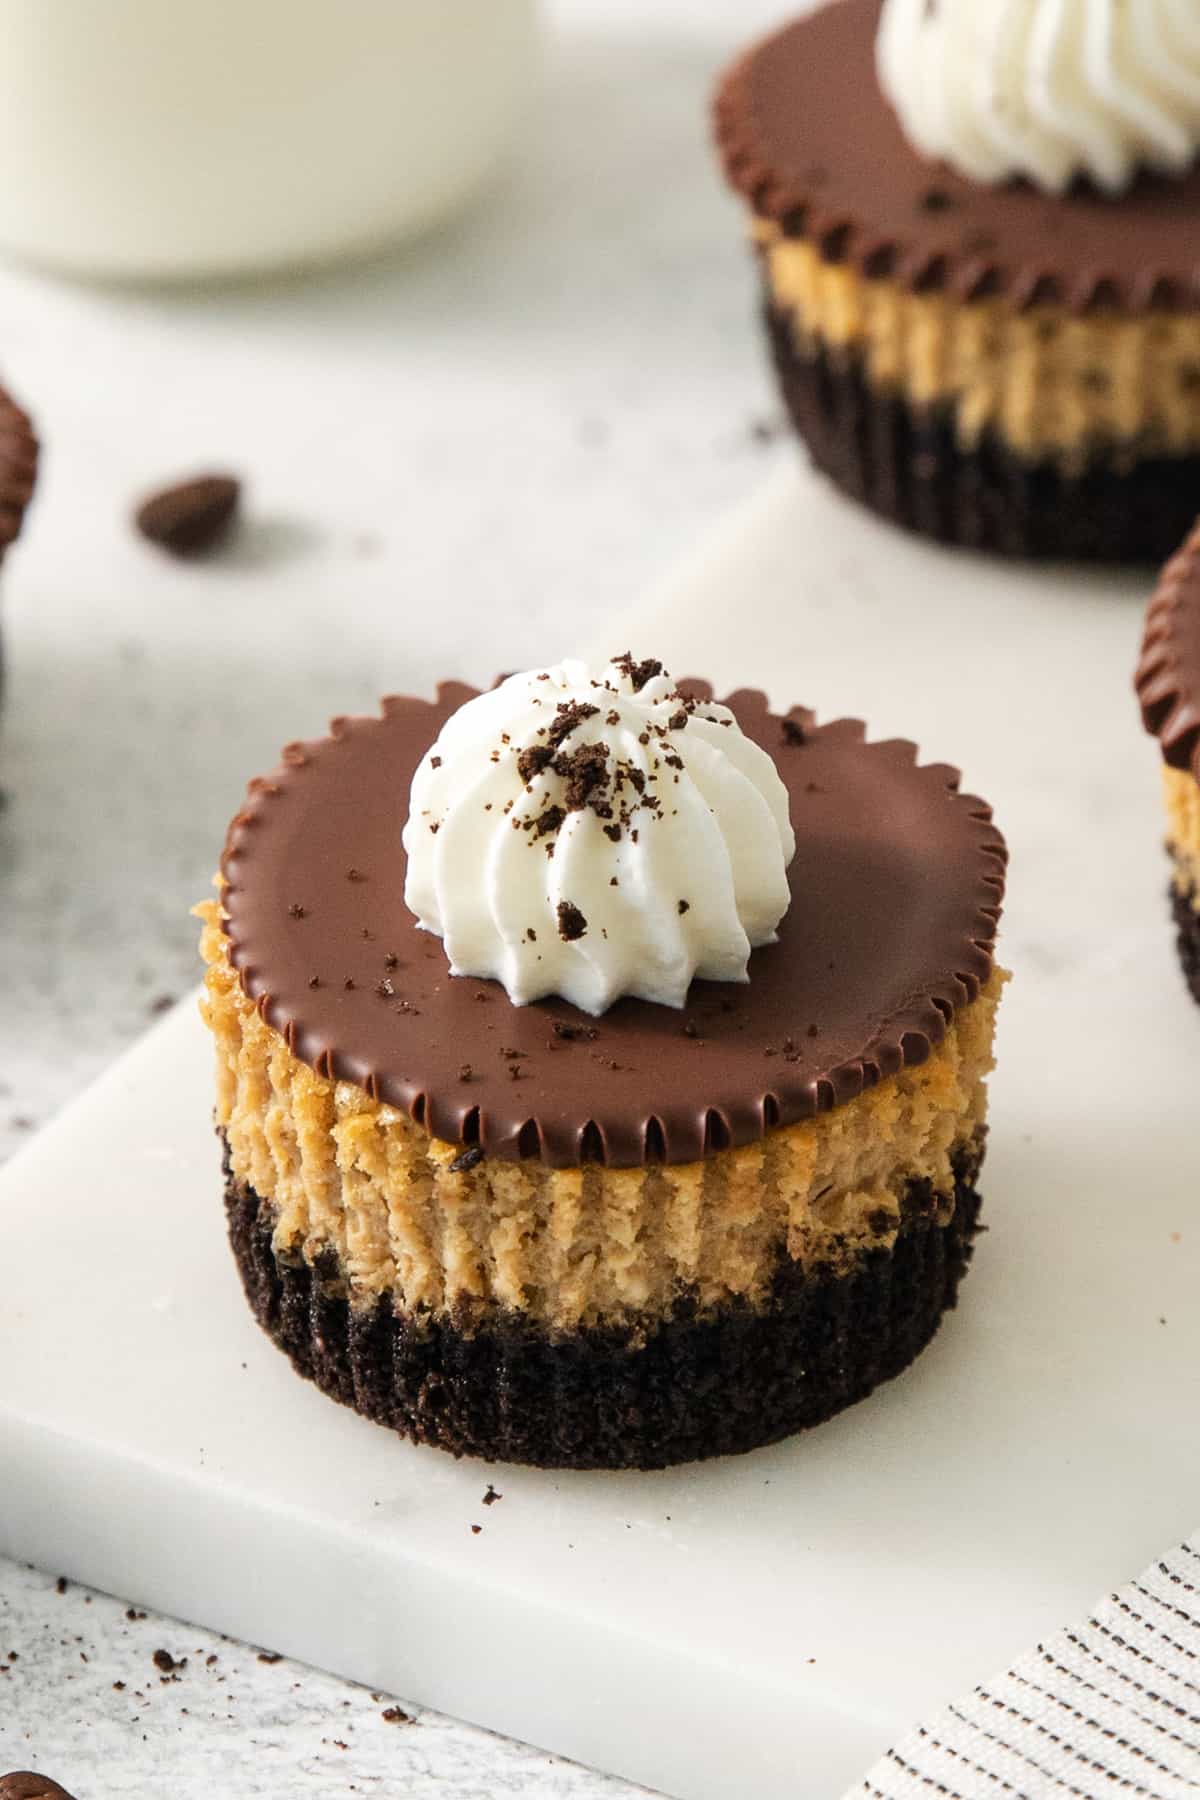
x=1047 y=89
x=594 y=834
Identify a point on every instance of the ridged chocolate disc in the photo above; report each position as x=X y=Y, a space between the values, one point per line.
x=896 y=889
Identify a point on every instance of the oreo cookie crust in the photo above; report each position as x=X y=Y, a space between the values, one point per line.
x=644 y=1394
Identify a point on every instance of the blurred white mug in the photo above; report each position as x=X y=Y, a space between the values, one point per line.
x=169 y=139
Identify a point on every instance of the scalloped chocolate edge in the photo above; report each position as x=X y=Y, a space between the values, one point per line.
x=778 y=1105
x=19 y=455
x=1167 y=679
x=797 y=209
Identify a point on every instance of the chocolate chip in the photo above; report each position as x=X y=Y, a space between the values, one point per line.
x=571 y=922
x=191 y=516
x=469 y=1159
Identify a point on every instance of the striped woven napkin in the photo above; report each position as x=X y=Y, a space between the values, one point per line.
x=1104 y=1709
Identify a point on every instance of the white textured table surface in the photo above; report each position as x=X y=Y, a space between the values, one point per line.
x=459 y=458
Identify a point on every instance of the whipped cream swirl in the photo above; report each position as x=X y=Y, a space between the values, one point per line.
x=1048 y=89
x=597 y=834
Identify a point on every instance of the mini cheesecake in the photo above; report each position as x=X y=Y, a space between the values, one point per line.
x=983 y=362
x=18 y=473
x=610 y=1239
x=1168 y=688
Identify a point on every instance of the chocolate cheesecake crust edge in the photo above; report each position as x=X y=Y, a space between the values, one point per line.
x=639 y=1395
x=906 y=463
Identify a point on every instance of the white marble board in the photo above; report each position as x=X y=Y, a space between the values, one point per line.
x=763 y=1625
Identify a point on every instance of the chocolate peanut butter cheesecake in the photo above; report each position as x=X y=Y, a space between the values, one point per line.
x=977 y=229
x=600 y=1067
x=1168 y=687
x=18 y=473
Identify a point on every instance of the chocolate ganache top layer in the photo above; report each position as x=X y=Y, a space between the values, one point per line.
x=896 y=887
x=1168 y=675
x=809 y=138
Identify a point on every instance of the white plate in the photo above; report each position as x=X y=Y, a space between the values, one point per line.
x=765 y=1625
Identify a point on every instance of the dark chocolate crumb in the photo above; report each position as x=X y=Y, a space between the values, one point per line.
x=531 y=934
x=396 y=1715
x=60 y=1586
x=391 y=960
x=638 y=673
x=812 y=1031
x=435 y=762
x=162 y=1659
x=385 y=987
x=491 y=1497
x=189 y=517
x=476 y=1529
x=296 y=911
x=348 y=984
x=269 y=1656
x=794 y=732
x=571 y=922
x=684 y=906
x=465 y=1072
x=573 y=1033
x=469 y=1159
x=532 y=760
x=314 y=981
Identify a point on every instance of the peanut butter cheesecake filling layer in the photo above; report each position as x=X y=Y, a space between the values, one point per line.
x=403 y=1216
x=1047 y=383
x=1183 y=831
